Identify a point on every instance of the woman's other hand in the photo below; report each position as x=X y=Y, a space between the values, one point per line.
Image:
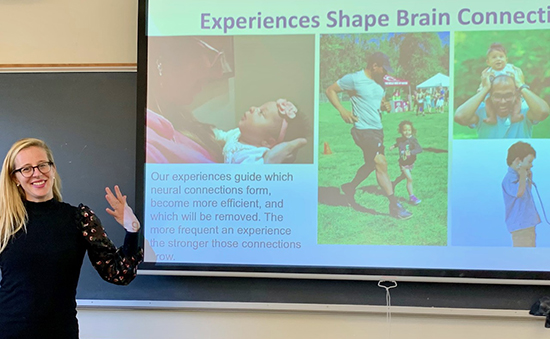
x=285 y=152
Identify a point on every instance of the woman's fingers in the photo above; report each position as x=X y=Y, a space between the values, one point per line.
x=118 y=193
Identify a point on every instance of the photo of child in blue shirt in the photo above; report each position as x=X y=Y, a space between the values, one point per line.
x=521 y=214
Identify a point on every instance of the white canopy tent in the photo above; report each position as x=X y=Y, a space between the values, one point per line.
x=438 y=80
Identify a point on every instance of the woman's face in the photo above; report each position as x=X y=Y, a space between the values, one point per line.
x=182 y=80
x=38 y=186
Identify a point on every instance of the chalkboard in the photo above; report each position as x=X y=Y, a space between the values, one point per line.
x=89 y=121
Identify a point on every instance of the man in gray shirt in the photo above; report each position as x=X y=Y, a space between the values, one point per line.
x=366 y=90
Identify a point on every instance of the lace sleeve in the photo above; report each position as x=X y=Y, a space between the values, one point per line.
x=115 y=265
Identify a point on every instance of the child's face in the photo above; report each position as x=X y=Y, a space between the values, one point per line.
x=406 y=131
x=260 y=126
x=527 y=162
x=497 y=60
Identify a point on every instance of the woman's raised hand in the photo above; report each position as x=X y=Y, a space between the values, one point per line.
x=122 y=213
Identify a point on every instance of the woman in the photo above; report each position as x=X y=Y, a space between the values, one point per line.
x=42 y=246
x=178 y=68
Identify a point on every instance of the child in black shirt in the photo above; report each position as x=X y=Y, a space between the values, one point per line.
x=408 y=149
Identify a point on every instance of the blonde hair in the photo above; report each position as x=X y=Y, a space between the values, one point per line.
x=13 y=215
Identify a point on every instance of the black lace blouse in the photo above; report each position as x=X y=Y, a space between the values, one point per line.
x=40 y=269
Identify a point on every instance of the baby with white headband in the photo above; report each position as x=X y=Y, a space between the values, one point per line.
x=260 y=129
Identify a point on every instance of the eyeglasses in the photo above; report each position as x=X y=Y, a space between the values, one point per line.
x=214 y=57
x=503 y=97
x=28 y=171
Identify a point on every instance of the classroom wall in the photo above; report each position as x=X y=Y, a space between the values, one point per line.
x=104 y=31
x=68 y=31
x=201 y=324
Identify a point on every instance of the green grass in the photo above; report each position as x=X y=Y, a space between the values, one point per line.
x=341 y=224
x=540 y=130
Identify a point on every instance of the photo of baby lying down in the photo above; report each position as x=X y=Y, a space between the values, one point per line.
x=211 y=100
x=260 y=130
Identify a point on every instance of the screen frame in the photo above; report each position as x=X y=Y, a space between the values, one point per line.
x=295 y=271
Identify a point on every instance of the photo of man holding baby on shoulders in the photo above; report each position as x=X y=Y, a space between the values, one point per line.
x=500 y=85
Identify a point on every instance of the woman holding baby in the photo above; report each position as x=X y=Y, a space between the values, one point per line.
x=179 y=68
